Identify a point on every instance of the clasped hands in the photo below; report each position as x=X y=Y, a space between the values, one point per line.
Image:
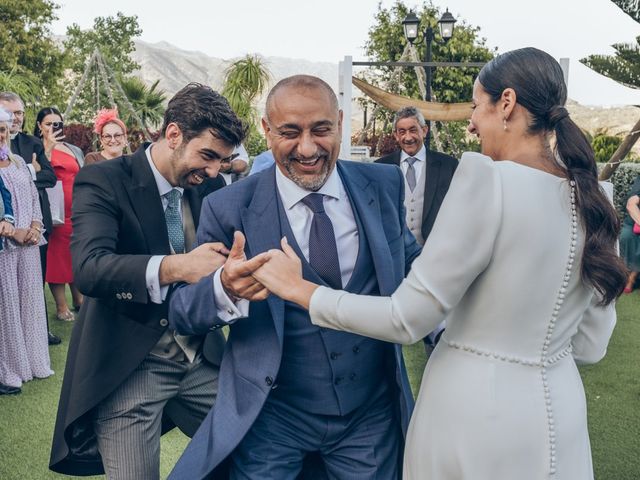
x=275 y=271
x=22 y=236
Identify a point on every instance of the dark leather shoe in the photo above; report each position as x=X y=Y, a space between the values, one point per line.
x=54 y=340
x=7 y=390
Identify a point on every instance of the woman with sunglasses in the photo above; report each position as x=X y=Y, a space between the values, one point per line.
x=112 y=133
x=66 y=160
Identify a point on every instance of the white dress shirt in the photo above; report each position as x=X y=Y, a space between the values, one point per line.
x=337 y=207
x=158 y=293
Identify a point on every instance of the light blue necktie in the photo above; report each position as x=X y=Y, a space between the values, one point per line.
x=174 y=222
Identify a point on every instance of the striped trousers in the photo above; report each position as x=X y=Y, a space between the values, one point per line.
x=128 y=422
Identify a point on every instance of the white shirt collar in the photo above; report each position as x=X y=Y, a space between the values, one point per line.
x=291 y=194
x=164 y=186
x=420 y=156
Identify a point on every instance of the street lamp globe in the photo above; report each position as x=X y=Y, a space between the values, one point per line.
x=446 y=23
x=410 y=25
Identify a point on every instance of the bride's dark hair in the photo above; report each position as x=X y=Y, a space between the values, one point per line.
x=539 y=84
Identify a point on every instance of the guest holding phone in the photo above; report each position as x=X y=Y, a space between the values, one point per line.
x=66 y=160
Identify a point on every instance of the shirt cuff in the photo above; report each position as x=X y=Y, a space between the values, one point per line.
x=157 y=294
x=10 y=219
x=33 y=171
x=227 y=310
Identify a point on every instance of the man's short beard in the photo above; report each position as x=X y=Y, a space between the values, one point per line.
x=312 y=184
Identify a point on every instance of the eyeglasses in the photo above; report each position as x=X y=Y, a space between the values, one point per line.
x=18 y=113
x=108 y=137
x=230 y=158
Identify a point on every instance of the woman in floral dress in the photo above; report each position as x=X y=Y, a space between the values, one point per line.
x=24 y=351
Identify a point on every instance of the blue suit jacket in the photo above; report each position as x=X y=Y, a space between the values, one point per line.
x=254 y=349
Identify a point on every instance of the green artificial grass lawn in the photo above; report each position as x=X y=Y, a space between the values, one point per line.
x=612 y=386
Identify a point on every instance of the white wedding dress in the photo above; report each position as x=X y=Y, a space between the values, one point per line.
x=501 y=397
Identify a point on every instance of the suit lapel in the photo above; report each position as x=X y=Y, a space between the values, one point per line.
x=261 y=227
x=432 y=166
x=146 y=203
x=195 y=204
x=364 y=197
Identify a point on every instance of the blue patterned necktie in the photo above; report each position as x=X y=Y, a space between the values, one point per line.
x=411 y=172
x=323 y=252
x=174 y=221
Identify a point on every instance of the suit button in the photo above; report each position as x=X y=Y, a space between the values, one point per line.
x=356 y=349
x=338 y=380
x=129 y=296
x=352 y=376
x=118 y=296
x=164 y=322
x=334 y=355
x=268 y=381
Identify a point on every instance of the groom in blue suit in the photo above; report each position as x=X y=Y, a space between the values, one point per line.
x=287 y=388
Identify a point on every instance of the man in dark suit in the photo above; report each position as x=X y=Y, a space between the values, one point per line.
x=134 y=217
x=31 y=150
x=427 y=176
x=427 y=173
x=288 y=389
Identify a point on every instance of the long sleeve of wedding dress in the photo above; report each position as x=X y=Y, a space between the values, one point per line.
x=459 y=248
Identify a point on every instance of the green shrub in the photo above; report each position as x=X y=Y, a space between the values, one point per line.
x=604 y=145
x=622 y=179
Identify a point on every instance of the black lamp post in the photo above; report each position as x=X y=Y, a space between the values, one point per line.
x=411 y=25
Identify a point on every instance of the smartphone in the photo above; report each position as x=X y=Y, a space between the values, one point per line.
x=57 y=127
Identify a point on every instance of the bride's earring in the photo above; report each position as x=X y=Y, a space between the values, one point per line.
x=504 y=122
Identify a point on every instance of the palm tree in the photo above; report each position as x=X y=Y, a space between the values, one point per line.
x=22 y=84
x=245 y=80
x=147 y=101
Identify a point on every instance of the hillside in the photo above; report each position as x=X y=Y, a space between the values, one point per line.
x=176 y=67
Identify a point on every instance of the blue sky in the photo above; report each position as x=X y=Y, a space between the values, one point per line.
x=331 y=29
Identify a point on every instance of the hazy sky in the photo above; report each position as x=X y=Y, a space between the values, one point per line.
x=328 y=30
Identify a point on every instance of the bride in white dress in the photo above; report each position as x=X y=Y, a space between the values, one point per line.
x=522 y=265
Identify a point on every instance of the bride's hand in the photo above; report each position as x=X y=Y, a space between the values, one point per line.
x=282 y=272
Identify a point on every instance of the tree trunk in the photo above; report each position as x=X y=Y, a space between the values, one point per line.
x=622 y=151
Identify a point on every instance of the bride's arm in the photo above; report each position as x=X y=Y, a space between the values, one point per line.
x=594 y=332
x=458 y=249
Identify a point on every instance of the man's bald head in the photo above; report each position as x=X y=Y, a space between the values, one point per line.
x=300 y=82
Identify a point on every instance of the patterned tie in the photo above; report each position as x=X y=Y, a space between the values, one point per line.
x=411 y=172
x=323 y=252
x=174 y=222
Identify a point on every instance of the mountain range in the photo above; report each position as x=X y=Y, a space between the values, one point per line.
x=175 y=68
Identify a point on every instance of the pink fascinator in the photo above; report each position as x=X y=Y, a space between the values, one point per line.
x=105 y=116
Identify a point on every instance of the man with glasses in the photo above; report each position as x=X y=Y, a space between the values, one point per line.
x=31 y=150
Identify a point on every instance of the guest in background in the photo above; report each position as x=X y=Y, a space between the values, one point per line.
x=66 y=160
x=6 y=211
x=232 y=169
x=629 y=239
x=262 y=162
x=24 y=353
x=112 y=133
x=31 y=150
